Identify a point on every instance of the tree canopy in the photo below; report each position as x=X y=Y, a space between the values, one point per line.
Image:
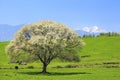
x=44 y=41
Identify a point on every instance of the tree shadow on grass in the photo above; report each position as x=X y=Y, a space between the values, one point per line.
x=54 y=73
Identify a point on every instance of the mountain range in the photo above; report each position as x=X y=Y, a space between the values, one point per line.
x=7 y=32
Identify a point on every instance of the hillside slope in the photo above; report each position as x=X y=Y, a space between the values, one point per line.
x=101 y=49
x=3 y=55
x=96 y=50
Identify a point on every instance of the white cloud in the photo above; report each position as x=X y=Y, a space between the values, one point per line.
x=94 y=29
x=86 y=29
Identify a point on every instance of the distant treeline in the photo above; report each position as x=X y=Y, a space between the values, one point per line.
x=109 y=34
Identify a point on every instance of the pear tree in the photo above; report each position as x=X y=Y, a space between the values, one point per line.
x=44 y=41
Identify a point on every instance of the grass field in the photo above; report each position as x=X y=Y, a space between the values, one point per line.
x=100 y=60
x=62 y=74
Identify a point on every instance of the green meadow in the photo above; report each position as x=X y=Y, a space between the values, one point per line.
x=100 y=60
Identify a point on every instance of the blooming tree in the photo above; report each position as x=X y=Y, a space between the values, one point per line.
x=44 y=41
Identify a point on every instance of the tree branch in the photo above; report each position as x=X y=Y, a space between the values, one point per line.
x=40 y=58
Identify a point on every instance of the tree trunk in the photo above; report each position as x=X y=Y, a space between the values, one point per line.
x=44 y=68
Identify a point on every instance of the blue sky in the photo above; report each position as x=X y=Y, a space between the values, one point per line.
x=88 y=15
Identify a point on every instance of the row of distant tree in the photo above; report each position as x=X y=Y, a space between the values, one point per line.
x=109 y=34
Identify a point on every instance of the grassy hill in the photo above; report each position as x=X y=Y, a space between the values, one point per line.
x=100 y=60
x=3 y=55
x=101 y=49
x=96 y=50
